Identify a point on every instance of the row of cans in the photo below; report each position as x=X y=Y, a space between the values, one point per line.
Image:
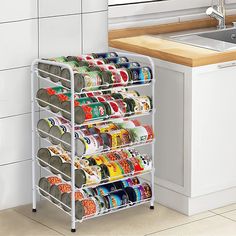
x=98 y=138
x=93 y=74
x=94 y=201
x=95 y=169
x=94 y=107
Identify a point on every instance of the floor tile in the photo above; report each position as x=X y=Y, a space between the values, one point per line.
x=13 y=223
x=222 y=210
x=137 y=221
x=231 y=215
x=213 y=226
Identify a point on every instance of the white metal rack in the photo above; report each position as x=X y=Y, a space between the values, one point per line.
x=34 y=76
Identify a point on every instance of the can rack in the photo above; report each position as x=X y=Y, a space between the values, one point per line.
x=35 y=75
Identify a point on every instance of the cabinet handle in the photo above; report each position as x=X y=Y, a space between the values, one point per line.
x=226 y=65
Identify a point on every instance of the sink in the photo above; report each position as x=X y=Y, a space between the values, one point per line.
x=218 y=40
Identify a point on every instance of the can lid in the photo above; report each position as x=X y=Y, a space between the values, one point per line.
x=79 y=210
x=80 y=178
x=44 y=126
x=56 y=193
x=66 y=169
x=55 y=70
x=56 y=163
x=45 y=185
x=55 y=132
x=80 y=146
x=79 y=115
x=44 y=67
x=65 y=74
x=79 y=82
x=44 y=155
x=42 y=94
x=66 y=138
x=66 y=199
x=54 y=100
x=66 y=105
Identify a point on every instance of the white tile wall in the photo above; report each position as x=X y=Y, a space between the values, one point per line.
x=59 y=7
x=13 y=10
x=15 y=182
x=94 y=35
x=15 y=139
x=94 y=5
x=25 y=35
x=60 y=36
x=18 y=43
x=16 y=82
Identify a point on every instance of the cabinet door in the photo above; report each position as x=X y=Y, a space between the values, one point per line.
x=95 y=32
x=94 y=5
x=213 y=128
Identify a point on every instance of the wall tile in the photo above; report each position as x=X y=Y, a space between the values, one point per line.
x=15 y=182
x=15 y=139
x=18 y=45
x=95 y=35
x=13 y=10
x=94 y=5
x=14 y=92
x=59 y=7
x=60 y=36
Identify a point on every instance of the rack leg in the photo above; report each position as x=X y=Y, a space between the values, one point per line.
x=73 y=230
x=153 y=189
x=34 y=210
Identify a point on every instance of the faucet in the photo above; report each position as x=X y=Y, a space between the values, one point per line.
x=218 y=12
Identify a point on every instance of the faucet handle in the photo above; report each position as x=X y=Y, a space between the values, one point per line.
x=234 y=24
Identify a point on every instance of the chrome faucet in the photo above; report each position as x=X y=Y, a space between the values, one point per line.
x=217 y=11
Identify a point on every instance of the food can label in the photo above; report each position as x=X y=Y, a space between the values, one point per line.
x=90 y=206
x=56 y=150
x=55 y=121
x=93 y=174
x=92 y=79
x=54 y=90
x=93 y=111
x=142 y=104
x=92 y=145
x=54 y=180
x=115 y=171
x=64 y=188
x=139 y=134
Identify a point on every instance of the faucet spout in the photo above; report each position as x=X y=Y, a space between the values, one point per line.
x=218 y=12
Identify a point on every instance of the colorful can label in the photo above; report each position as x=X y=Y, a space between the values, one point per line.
x=93 y=143
x=94 y=111
x=54 y=180
x=141 y=74
x=92 y=80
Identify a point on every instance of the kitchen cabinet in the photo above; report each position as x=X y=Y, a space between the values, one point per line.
x=196 y=147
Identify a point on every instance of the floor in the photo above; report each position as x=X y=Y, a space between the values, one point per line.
x=138 y=221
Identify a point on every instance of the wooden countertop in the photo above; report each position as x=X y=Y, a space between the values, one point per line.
x=169 y=50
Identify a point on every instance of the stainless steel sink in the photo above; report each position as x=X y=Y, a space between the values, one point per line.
x=218 y=40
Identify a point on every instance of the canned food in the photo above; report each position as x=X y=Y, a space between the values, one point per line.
x=45 y=154
x=57 y=131
x=141 y=75
x=45 y=94
x=142 y=163
x=112 y=170
x=66 y=137
x=104 y=55
x=103 y=67
x=57 y=100
x=88 y=176
x=105 y=189
x=45 y=184
x=66 y=167
x=116 y=60
x=136 y=193
x=90 y=112
x=129 y=65
x=56 y=161
x=126 y=166
x=119 y=199
x=116 y=138
x=116 y=108
x=98 y=159
x=123 y=154
x=102 y=128
x=65 y=74
x=86 y=207
x=126 y=183
x=141 y=133
x=89 y=81
x=66 y=198
x=125 y=94
x=147 y=190
x=44 y=125
x=139 y=104
x=66 y=105
x=43 y=69
x=128 y=124
x=57 y=190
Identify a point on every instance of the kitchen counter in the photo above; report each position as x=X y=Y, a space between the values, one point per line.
x=144 y=40
x=171 y=51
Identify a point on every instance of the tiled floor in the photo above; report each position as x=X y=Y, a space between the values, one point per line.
x=138 y=221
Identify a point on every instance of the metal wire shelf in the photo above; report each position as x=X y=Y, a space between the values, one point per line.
x=35 y=74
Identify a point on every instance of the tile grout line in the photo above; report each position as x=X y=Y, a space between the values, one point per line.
x=181 y=225
x=221 y=214
x=39 y=222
